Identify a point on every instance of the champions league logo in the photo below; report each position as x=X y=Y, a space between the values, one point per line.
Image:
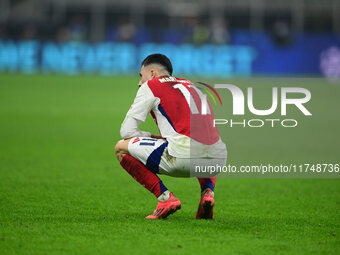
x=239 y=100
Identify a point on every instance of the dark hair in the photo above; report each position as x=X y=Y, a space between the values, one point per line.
x=158 y=59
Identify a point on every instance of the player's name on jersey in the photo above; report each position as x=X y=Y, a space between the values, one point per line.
x=172 y=79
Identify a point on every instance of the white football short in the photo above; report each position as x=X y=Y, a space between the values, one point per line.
x=153 y=153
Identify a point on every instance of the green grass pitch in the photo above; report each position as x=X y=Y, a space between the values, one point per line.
x=63 y=192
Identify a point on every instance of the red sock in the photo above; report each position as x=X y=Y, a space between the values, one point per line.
x=143 y=175
x=207 y=183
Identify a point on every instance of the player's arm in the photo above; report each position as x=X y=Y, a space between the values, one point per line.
x=130 y=129
x=141 y=107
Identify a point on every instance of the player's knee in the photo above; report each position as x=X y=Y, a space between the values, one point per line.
x=117 y=147
x=120 y=149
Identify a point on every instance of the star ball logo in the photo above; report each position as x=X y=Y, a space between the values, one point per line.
x=239 y=100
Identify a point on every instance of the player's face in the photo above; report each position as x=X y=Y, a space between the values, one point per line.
x=146 y=74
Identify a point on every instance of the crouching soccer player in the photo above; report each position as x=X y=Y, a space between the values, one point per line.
x=186 y=136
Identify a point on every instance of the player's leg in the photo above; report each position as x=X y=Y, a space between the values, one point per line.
x=137 y=170
x=150 y=151
x=207 y=184
x=180 y=167
x=145 y=151
x=206 y=206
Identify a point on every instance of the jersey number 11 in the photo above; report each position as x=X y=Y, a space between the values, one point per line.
x=190 y=100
